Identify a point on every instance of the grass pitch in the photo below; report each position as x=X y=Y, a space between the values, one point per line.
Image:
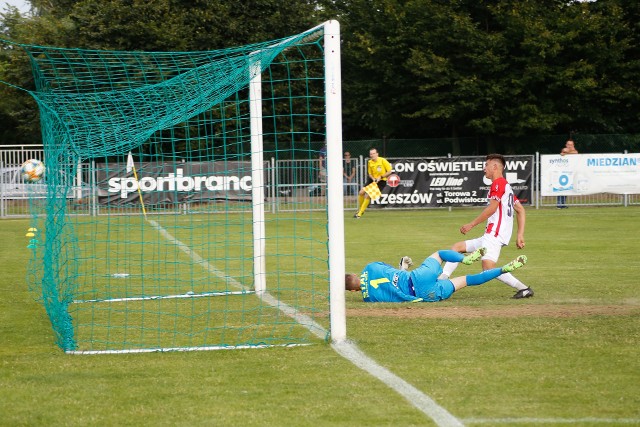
x=567 y=356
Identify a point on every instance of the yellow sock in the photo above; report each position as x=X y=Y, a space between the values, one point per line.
x=360 y=200
x=365 y=205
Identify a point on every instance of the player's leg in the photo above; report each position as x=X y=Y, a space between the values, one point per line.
x=488 y=264
x=523 y=291
x=367 y=198
x=450 y=267
x=452 y=256
x=510 y=280
x=425 y=280
x=432 y=266
x=363 y=200
x=490 y=261
x=425 y=277
x=486 y=275
x=462 y=247
x=436 y=256
x=361 y=195
x=475 y=279
x=363 y=206
x=490 y=258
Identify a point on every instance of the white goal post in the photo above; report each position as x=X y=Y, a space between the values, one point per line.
x=335 y=201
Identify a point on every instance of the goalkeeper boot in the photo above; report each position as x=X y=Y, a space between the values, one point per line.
x=474 y=256
x=515 y=264
x=523 y=293
x=405 y=263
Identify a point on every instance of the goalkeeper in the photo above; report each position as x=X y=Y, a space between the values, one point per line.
x=380 y=282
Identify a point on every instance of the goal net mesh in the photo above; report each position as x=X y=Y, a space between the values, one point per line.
x=146 y=239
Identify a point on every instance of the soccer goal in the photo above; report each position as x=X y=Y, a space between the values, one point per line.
x=156 y=232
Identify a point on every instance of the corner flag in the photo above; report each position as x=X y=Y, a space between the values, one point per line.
x=132 y=167
x=130 y=164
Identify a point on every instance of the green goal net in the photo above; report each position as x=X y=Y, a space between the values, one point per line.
x=186 y=198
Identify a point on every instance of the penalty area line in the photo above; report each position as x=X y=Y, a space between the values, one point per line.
x=346 y=349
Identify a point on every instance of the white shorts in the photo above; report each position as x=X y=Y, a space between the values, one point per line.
x=492 y=244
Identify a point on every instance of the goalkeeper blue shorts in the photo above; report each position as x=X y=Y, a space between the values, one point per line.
x=426 y=284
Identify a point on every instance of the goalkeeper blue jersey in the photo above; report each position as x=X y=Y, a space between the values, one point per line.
x=380 y=282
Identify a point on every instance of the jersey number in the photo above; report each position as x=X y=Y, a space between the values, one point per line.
x=375 y=283
x=510 y=205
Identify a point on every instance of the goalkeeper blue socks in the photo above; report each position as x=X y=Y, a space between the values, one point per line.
x=485 y=276
x=450 y=256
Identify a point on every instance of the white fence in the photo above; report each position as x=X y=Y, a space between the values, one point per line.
x=291 y=183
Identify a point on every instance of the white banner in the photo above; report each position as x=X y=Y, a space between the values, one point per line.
x=577 y=174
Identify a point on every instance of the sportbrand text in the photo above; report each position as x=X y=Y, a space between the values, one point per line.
x=178 y=182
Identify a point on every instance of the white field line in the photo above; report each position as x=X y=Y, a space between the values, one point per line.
x=184 y=349
x=577 y=421
x=155 y=297
x=346 y=349
x=197 y=258
x=421 y=401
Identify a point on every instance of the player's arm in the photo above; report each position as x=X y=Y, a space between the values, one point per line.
x=521 y=218
x=484 y=215
x=404 y=296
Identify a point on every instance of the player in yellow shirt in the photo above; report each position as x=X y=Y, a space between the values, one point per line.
x=378 y=169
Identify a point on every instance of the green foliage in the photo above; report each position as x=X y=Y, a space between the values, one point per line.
x=178 y=25
x=18 y=111
x=411 y=68
x=506 y=68
x=163 y=25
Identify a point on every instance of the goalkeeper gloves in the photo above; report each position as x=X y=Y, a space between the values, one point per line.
x=405 y=263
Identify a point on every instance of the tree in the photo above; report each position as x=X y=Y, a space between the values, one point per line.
x=489 y=68
x=411 y=68
x=161 y=25
x=19 y=119
x=371 y=51
x=457 y=63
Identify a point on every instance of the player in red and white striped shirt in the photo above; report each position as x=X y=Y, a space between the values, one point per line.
x=503 y=206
